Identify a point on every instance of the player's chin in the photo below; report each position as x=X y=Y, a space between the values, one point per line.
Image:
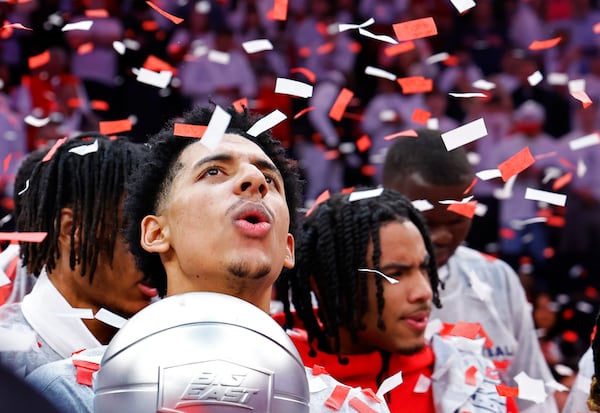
x=411 y=348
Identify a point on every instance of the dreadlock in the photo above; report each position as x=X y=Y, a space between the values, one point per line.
x=331 y=246
x=150 y=186
x=427 y=156
x=92 y=185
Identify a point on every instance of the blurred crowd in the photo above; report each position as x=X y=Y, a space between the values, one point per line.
x=56 y=83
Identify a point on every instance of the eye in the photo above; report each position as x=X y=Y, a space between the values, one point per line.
x=212 y=171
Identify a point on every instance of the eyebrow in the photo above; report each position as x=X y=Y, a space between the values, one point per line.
x=261 y=164
x=403 y=266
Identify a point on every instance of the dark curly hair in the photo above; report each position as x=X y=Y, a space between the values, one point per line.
x=331 y=246
x=427 y=156
x=92 y=185
x=152 y=183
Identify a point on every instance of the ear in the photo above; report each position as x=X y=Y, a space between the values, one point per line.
x=66 y=226
x=290 y=257
x=154 y=235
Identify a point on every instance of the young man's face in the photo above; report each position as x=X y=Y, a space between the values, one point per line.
x=408 y=302
x=224 y=223
x=447 y=229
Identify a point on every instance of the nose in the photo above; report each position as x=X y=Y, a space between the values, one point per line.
x=440 y=235
x=251 y=181
x=420 y=288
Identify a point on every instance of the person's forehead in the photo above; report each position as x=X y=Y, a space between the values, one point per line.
x=416 y=187
x=231 y=144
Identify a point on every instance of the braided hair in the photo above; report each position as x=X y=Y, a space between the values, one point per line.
x=330 y=248
x=92 y=185
x=151 y=185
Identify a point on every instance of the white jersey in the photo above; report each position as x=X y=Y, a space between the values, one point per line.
x=489 y=292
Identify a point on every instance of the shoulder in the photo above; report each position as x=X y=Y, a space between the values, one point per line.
x=484 y=265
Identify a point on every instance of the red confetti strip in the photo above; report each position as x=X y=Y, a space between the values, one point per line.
x=562 y=181
x=99 y=105
x=6 y=161
x=415 y=29
x=85 y=48
x=363 y=143
x=464 y=209
x=325 y=195
x=516 y=163
x=420 y=116
x=544 y=44
x=399 y=48
x=14 y=26
x=23 y=236
x=318 y=370
x=169 y=16
x=39 y=60
x=306 y=72
x=470 y=187
x=507 y=391
x=111 y=127
x=52 y=150
x=470 y=378
x=158 y=65
x=85 y=370
x=96 y=13
x=341 y=102
x=338 y=397
x=360 y=406
x=415 y=84
x=240 y=104
x=370 y=394
x=189 y=131
x=304 y=111
x=279 y=10
x=411 y=133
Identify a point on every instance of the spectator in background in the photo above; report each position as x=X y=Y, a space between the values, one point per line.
x=389 y=112
x=554 y=104
x=222 y=75
x=519 y=237
x=94 y=61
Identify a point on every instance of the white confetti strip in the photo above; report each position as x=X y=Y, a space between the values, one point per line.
x=219 y=57
x=584 y=142
x=216 y=128
x=293 y=87
x=463 y=5
x=389 y=384
x=110 y=318
x=552 y=198
x=82 y=25
x=374 y=71
x=468 y=95
x=487 y=174
x=530 y=389
x=422 y=205
x=159 y=79
x=484 y=84
x=370 y=193
x=85 y=149
x=258 y=45
x=464 y=134
x=266 y=123
x=36 y=122
x=436 y=58
x=535 y=78
x=422 y=385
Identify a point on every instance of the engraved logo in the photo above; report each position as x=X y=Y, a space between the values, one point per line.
x=190 y=388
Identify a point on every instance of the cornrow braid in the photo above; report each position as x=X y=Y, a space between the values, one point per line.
x=92 y=186
x=330 y=248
